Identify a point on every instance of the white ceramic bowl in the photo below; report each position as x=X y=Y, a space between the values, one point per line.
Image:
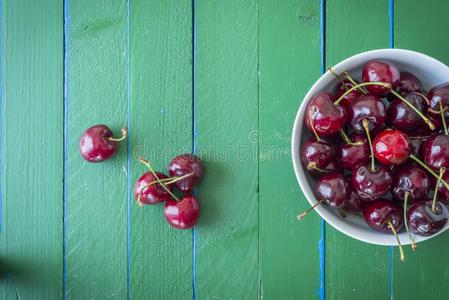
x=429 y=70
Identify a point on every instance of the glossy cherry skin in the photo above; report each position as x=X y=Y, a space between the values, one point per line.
x=350 y=156
x=354 y=204
x=423 y=221
x=349 y=98
x=409 y=83
x=317 y=153
x=333 y=188
x=95 y=145
x=182 y=214
x=435 y=152
x=371 y=185
x=378 y=213
x=380 y=71
x=391 y=147
x=402 y=117
x=410 y=179
x=437 y=94
x=324 y=116
x=152 y=194
x=370 y=107
x=186 y=164
x=443 y=192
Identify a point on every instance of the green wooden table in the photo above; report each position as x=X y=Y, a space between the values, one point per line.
x=221 y=78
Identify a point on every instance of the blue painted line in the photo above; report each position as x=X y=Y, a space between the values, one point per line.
x=390 y=250
x=1 y=115
x=194 y=134
x=128 y=151
x=322 y=243
x=391 y=15
x=66 y=115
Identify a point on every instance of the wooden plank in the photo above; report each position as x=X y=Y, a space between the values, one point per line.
x=96 y=202
x=419 y=26
x=161 y=126
x=355 y=270
x=227 y=108
x=31 y=149
x=289 y=63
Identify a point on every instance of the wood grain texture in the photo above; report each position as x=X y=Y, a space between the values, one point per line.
x=31 y=149
x=161 y=126
x=96 y=202
x=289 y=63
x=355 y=270
x=422 y=26
x=227 y=107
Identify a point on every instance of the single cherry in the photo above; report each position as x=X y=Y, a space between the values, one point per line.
x=423 y=220
x=409 y=83
x=380 y=71
x=316 y=155
x=378 y=213
x=189 y=166
x=354 y=154
x=369 y=107
x=410 y=179
x=323 y=117
x=147 y=190
x=435 y=152
x=182 y=214
x=333 y=188
x=98 y=144
x=391 y=147
x=439 y=97
x=371 y=184
x=401 y=116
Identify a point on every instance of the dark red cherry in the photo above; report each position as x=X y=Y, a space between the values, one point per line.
x=371 y=184
x=182 y=214
x=402 y=117
x=352 y=155
x=97 y=143
x=416 y=143
x=333 y=188
x=185 y=165
x=378 y=213
x=409 y=83
x=323 y=117
x=435 y=152
x=410 y=179
x=380 y=71
x=423 y=221
x=443 y=192
x=391 y=147
x=354 y=204
x=370 y=107
x=150 y=194
x=437 y=94
x=316 y=154
x=342 y=88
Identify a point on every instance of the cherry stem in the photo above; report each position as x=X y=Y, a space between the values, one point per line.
x=423 y=96
x=436 y=112
x=401 y=251
x=413 y=244
x=302 y=215
x=427 y=120
x=384 y=84
x=434 y=201
x=366 y=126
x=354 y=82
x=314 y=111
x=124 y=131
x=148 y=165
x=443 y=119
x=313 y=166
x=348 y=140
x=422 y=164
x=339 y=77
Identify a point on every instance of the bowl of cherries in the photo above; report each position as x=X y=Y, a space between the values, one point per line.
x=370 y=147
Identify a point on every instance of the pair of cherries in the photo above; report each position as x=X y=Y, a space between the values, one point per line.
x=348 y=175
x=97 y=144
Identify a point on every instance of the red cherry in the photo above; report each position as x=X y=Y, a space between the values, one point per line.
x=371 y=184
x=380 y=71
x=182 y=214
x=333 y=188
x=435 y=151
x=409 y=83
x=342 y=88
x=391 y=147
x=369 y=107
x=97 y=143
x=439 y=95
x=183 y=165
x=151 y=193
x=316 y=155
x=352 y=155
x=379 y=213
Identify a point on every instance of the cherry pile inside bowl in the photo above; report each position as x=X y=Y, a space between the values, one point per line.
x=380 y=149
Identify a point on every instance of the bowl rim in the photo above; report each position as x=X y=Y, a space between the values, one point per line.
x=376 y=238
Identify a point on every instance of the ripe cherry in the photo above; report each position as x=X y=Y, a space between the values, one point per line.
x=391 y=147
x=423 y=220
x=371 y=184
x=439 y=97
x=402 y=116
x=409 y=83
x=410 y=179
x=183 y=165
x=443 y=192
x=369 y=107
x=148 y=191
x=97 y=143
x=316 y=155
x=354 y=154
x=380 y=71
x=182 y=214
x=435 y=152
x=323 y=117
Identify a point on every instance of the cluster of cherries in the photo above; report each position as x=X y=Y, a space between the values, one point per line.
x=97 y=144
x=398 y=178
